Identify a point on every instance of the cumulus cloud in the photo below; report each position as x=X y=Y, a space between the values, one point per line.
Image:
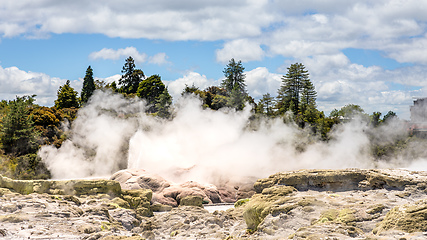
x=260 y=81
x=15 y=82
x=338 y=82
x=310 y=31
x=112 y=54
x=241 y=49
x=190 y=78
x=121 y=53
x=159 y=59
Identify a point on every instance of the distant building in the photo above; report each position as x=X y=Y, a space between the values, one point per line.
x=419 y=111
x=419 y=118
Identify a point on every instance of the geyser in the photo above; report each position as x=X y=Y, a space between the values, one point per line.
x=112 y=133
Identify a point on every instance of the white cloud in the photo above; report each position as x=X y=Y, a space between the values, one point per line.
x=15 y=82
x=121 y=53
x=241 y=49
x=260 y=81
x=310 y=31
x=159 y=59
x=201 y=81
x=111 y=54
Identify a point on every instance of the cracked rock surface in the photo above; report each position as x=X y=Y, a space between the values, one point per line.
x=305 y=204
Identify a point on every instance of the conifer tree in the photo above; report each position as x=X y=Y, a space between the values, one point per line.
x=17 y=135
x=131 y=77
x=234 y=77
x=88 y=86
x=67 y=97
x=234 y=84
x=296 y=91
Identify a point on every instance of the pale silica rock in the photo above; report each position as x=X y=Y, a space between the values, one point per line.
x=305 y=204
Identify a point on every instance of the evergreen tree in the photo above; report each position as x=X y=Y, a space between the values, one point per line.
x=234 y=77
x=131 y=77
x=88 y=86
x=237 y=99
x=67 y=97
x=164 y=101
x=296 y=89
x=234 y=84
x=267 y=104
x=308 y=96
x=18 y=135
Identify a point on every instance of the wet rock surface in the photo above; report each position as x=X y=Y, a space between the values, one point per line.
x=306 y=204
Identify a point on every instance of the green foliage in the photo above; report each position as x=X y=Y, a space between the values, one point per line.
x=88 y=86
x=375 y=119
x=234 y=77
x=131 y=77
x=389 y=116
x=347 y=112
x=151 y=89
x=190 y=90
x=30 y=166
x=234 y=84
x=163 y=104
x=265 y=105
x=296 y=91
x=47 y=121
x=17 y=135
x=237 y=99
x=67 y=97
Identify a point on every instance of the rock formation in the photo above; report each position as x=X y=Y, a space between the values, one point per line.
x=168 y=193
x=306 y=204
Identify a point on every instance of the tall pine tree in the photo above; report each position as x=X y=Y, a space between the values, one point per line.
x=88 y=86
x=131 y=77
x=296 y=91
x=234 y=84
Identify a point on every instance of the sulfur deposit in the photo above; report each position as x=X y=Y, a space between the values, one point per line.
x=305 y=204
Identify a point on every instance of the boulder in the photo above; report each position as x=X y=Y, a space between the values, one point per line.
x=408 y=218
x=169 y=193
x=191 y=201
x=268 y=202
x=139 y=178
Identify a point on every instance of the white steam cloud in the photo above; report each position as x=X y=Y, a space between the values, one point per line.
x=112 y=133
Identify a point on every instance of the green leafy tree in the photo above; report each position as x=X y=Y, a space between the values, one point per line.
x=349 y=112
x=163 y=104
x=17 y=134
x=295 y=85
x=390 y=115
x=190 y=90
x=375 y=119
x=150 y=89
x=131 y=77
x=67 y=97
x=88 y=86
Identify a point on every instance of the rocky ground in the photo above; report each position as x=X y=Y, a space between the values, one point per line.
x=306 y=204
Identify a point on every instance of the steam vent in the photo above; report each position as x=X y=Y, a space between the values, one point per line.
x=419 y=117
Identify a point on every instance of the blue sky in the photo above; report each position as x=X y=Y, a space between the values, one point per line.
x=373 y=54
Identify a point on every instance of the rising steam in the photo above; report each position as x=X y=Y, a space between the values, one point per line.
x=113 y=133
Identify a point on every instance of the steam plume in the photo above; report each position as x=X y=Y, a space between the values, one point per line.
x=113 y=133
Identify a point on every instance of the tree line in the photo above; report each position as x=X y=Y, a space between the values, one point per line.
x=25 y=126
